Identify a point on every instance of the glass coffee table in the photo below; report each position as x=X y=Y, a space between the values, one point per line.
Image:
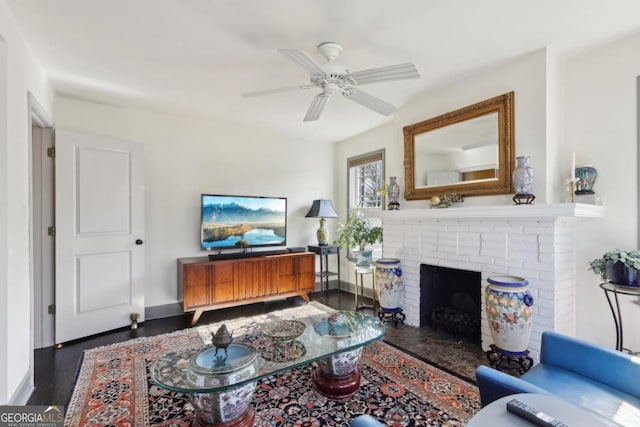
x=221 y=381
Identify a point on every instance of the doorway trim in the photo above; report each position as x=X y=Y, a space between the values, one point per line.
x=40 y=251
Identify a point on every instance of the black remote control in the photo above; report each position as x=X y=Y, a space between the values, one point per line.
x=530 y=414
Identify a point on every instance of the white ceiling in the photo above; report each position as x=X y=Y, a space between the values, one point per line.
x=195 y=57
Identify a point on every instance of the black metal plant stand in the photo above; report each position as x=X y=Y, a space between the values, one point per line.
x=509 y=363
x=523 y=199
x=394 y=315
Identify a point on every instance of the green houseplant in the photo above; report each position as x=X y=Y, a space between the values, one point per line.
x=618 y=266
x=356 y=234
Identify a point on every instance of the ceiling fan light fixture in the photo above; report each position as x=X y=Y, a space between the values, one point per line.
x=330 y=51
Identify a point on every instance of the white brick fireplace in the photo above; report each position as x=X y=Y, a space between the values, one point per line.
x=536 y=242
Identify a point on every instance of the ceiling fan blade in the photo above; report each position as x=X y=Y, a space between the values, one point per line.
x=301 y=58
x=391 y=72
x=315 y=109
x=369 y=101
x=276 y=90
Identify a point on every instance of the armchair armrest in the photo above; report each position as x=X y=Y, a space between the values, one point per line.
x=494 y=384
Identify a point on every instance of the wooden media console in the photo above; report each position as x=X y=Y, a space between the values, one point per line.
x=208 y=285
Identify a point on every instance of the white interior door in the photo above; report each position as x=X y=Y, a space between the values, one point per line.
x=99 y=234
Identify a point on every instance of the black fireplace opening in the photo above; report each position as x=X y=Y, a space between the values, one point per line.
x=450 y=300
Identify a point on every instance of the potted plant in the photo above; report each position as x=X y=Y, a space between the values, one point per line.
x=618 y=266
x=356 y=234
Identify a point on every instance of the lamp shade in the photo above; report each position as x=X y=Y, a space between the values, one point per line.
x=322 y=208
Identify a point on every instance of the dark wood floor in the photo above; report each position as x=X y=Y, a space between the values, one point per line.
x=55 y=369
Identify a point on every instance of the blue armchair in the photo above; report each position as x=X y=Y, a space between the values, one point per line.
x=599 y=379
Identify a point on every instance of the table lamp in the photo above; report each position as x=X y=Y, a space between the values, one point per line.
x=322 y=209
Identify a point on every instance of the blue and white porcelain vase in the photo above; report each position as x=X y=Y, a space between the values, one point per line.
x=207 y=370
x=389 y=284
x=585 y=178
x=523 y=176
x=509 y=309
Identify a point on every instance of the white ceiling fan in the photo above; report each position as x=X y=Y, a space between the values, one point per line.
x=332 y=78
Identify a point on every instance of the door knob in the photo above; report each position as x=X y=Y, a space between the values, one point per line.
x=139 y=242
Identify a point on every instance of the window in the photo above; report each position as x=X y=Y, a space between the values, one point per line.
x=365 y=179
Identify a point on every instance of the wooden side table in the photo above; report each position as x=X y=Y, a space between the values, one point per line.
x=325 y=273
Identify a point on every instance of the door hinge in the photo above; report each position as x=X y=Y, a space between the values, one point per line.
x=51 y=309
x=51 y=152
x=51 y=231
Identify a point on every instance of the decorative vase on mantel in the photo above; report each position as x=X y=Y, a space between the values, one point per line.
x=508 y=304
x=394 y=194
x=585 y=179
x=523 y=180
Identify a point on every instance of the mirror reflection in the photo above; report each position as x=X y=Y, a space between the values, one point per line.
x=467 y=151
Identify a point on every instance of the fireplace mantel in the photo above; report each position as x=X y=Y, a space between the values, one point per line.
x=557 y=210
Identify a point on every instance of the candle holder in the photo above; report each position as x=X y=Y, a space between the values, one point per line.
x=573 y=190
x=569 y=191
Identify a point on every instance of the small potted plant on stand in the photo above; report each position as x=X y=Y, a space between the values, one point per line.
x=617 y=266
x=355 y=235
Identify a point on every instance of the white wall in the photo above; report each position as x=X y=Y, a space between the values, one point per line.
x=601 y=125
x=19 y=75
x=186 y=157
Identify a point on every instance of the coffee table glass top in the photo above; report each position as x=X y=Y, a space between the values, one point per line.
x=277 y=348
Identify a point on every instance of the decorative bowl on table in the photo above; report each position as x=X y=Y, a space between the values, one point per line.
x=283 y=346
x=340 y=324
x=208 y=368
x=284 y=330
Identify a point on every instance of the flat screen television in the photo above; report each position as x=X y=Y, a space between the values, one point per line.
x=258 y=221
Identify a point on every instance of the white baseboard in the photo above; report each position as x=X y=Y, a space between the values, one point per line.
x=24 y=390
x=162 y=311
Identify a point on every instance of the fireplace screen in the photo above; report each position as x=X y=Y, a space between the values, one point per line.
x=450 y=300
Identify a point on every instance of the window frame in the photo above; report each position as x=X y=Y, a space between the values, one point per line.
x=359 y=160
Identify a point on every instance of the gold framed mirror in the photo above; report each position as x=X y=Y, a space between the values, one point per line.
x=467 y=151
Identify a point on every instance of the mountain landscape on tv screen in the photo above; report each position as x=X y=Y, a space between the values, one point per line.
x=230 y=213
x=225 y=224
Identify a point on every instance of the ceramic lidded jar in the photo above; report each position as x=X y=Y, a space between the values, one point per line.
x=210 y=369
x=523 y=176
x=509 y=309
x=388 y=281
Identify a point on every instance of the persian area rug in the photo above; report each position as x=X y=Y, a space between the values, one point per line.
x=114 y=386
